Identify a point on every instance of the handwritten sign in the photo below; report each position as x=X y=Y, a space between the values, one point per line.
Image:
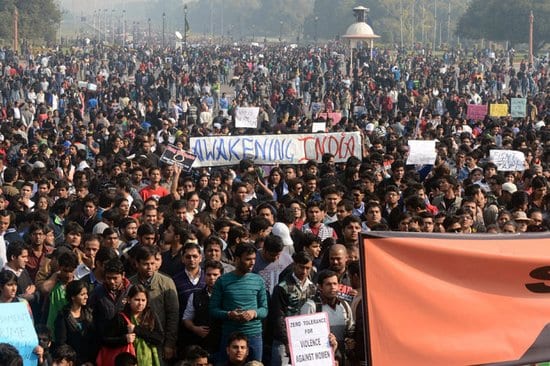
x=173 y=155
x=308 y=340
x=17 y=329
x=421 y=152
x=508 y=160
x=318 y=127
x=334 y=116
x=274 y=149
x=247 y=117
x=359 y=110
x=317 y=107
x=498 y=110
x=518 y=107
x=476 y=112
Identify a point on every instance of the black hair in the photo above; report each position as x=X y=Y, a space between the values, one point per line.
x=6 y=277
x=273 y=244
x=220 y=223
x=244 y=249
x=68 y=259
x=105 y=254
x=73 y=288
x=125 y=359
x=15 y=249
x=9 y=356
x=144 y=252
x=114 y=265
x=258 y=224
x=236 y=232
x=213 y=264
x=302 y=258
x=237 y=336
x=324 y=274
x=146 y=229
x=64 y=353
x=349 y=219
x=73 y=227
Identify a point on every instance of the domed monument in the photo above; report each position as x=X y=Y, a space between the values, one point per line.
x=360 y=32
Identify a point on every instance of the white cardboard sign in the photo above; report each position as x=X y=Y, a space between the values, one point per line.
x=308 y=340
x=247 y=117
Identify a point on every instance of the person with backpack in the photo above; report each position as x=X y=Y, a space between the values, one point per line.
x=339 y=312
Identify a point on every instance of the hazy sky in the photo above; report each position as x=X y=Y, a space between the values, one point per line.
x=84 y=6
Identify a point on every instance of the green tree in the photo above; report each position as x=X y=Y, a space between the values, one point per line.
x=506 y=20
x=38 y=19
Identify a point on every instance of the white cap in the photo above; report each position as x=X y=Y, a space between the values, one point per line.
x=369 y=127
x=283 y=232
x=509 y=187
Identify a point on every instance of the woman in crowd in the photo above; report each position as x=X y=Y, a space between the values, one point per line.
x=139 y=325
x=74 y=324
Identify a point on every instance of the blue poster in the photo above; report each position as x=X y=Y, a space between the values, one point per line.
x=18 y=330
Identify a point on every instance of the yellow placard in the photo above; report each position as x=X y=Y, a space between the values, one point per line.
x=498 y=110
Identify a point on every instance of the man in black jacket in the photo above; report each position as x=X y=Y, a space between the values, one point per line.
x=287 y=299
x=109 y=298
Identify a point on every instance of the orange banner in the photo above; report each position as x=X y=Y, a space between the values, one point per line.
x=443 y=299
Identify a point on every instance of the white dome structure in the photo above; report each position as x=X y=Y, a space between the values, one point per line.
x=360 y=31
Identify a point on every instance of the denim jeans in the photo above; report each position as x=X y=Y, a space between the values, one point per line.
x=279 y=357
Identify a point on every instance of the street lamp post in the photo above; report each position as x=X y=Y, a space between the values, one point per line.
x=163 y=27
x=113 y=26
x=185 y=26
x=280 y=31
x=105 y=11
x=316 y=21
x=123 y=28
x=149 y=30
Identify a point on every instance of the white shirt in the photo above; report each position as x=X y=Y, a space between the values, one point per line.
x=3 y=255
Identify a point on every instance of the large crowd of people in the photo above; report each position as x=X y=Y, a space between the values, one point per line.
x=124 y=259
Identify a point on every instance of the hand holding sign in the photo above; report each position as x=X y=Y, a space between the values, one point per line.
x=508 y=160
x=310 y=340
x=174 y=156
x=422 y=152
x=247 y=117
x=18 y=330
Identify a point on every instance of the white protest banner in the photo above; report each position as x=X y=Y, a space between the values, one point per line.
x=247 y=117
x=421 y=152
x=18 y=330
x=274 y=149
x=318 y=127
x=508 y=160
x=92 y=87
x=518 y=107
x=308 y=340
x=83 y=84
